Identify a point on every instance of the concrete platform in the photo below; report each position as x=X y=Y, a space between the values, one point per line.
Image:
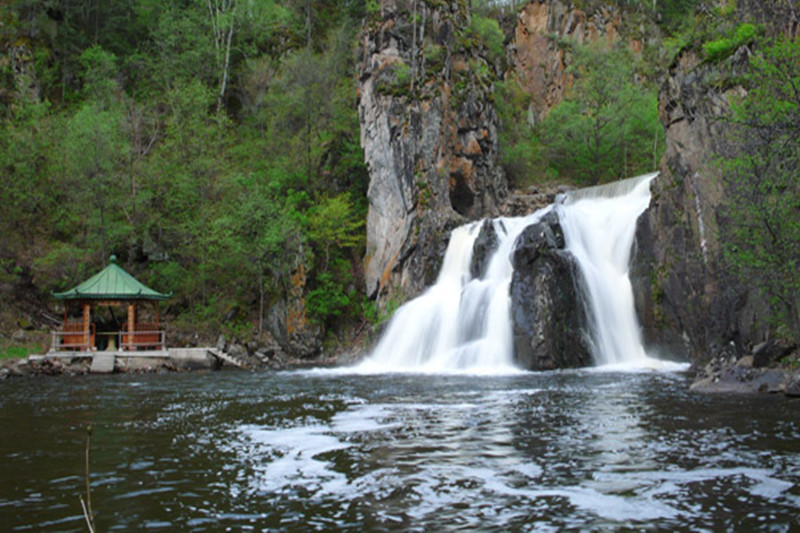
x=102 y=363
x=127 y=361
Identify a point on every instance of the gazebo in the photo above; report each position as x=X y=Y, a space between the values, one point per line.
x=112 y=287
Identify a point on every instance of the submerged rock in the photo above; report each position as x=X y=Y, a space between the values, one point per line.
x=547 y=315
x=743 y=379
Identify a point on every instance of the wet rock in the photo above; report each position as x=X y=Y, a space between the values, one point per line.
x=305 y=344
x=547 y=316
x=771 y=351
x=237 y=351
x=483 y=248
x=222 y=343
x=793 y=386
x=740 y=379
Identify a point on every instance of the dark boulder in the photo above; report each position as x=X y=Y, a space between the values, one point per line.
x=771 y=351
x=793 y=386
x=483 y=249
x=546 y=310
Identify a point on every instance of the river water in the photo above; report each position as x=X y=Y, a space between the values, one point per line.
x=314 y=450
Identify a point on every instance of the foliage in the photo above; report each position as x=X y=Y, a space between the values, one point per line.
x=489 y=32
x=762 y=170
x=673 y=13
x=607 y=128
x=15 y=351
x=721 y=48
x=212 y=152
x=521 y=148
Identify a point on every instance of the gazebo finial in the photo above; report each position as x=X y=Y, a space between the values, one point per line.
x=113 y=259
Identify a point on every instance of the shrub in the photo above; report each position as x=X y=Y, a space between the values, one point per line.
x=488 y=31
x=721 y=48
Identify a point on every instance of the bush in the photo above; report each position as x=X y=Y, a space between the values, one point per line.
x=722 y=48
x=489 y=32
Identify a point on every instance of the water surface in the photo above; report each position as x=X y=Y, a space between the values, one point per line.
x=300 y=451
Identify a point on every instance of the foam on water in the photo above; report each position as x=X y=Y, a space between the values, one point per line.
x=422 y=479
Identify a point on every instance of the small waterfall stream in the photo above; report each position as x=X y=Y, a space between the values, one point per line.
x=462 y=323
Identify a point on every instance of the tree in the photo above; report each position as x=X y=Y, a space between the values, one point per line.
x=762 y=171
x=95 y=148
x=606 y=126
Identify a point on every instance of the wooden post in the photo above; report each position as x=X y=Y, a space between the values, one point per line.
x=131 y=325
x=87 y=316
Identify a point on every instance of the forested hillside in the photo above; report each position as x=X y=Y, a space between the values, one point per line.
x=212 y=146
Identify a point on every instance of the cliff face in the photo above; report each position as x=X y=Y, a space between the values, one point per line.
x=689 y=304
x=539 y=63
x=429 y=133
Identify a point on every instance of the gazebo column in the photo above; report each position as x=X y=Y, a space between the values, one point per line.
x=87 y=317
x=131 y=325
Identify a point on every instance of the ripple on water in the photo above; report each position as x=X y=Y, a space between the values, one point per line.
x=537 y=452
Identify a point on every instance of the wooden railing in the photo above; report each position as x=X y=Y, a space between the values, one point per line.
x=152 y=339
x=73 y=338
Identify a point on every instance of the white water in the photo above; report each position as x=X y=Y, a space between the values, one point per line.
x=462 y=324
x=599 y=226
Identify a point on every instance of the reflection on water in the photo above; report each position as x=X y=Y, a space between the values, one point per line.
x=305 y=451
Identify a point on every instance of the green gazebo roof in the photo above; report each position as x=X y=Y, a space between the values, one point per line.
x=111 y=283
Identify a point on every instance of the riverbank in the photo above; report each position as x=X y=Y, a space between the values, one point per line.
x=771 y=367
x=249 y=356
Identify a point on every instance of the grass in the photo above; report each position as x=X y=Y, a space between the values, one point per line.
x=19 y=351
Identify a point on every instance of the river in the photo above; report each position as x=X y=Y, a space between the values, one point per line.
x=321 y=450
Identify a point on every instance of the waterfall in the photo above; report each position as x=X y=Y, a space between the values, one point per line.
x=462 y=323
x=599 y=226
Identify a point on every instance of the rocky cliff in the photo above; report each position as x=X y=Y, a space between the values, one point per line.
x=689 y=304
x=429 y=133
x=539 y=62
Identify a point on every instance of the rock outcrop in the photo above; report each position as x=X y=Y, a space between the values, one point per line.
x=539 y=61
x=482 y=250
x=548 y=317
x=429 y=133
x=688 y=302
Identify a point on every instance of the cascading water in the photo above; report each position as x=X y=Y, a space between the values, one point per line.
x=462 y=323
x=599 y=226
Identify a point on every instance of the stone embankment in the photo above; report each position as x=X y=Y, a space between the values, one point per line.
x=248 y=356
x=771 y=367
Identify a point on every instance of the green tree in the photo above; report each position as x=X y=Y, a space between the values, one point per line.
x=607 y=127
x=94 y=151
x=762 y=171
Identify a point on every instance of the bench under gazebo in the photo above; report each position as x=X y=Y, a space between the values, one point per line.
x=111 y=288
